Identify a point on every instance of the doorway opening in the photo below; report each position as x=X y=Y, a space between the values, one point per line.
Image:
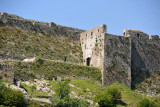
x=88 y=61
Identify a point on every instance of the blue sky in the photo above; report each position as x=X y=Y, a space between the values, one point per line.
x=143 y=15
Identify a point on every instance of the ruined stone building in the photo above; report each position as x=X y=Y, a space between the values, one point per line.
x=128 y=59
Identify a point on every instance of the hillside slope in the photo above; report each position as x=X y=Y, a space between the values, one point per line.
x=20 y=44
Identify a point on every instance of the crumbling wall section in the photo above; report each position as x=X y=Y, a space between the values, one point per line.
x=135 y=34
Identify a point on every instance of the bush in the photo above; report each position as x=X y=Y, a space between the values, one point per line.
x=146 y=103
x=62 y=89
x=115 y=93
x=40 y=61
x=62 y=99
x=108 y=98
x=9 y=97
x=104 y=100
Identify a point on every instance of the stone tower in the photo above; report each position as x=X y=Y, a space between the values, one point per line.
x=92 y=43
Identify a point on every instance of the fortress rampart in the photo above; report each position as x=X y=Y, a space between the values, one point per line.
x=128 y=59
x=39 y=26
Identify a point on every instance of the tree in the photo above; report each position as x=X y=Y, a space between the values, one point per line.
x=9 y=97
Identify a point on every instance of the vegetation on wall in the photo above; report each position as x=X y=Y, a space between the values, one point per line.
x=50 y=69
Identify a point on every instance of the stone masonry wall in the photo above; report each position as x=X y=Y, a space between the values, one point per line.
x=6 y=72
x=92 y=43
x=39 y=26
x=135 y=34
x=128 y=59
x=117 y=60
x=145 y=59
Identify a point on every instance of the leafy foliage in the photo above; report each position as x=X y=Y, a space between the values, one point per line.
x=108 y=98
x=49 y=69
x=115 y=93
x=104 y=100
x=62 y=98
x=9 y=97
x=62 y=89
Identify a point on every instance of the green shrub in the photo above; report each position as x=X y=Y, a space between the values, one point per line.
x=146 y=103
x=9 y=97
x=62 y=99
x=62 y=89
x=108 y=98
x=40 y=61
x=115 y=93
x=104 y=100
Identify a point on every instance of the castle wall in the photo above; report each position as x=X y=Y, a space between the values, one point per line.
x=145 y=59
x=129 y=59
x=92 y=43
x=39 y=26
x=117 y=60
x=6 y=72
x=135 y=34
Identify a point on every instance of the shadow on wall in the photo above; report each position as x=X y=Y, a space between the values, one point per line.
x=139 y=72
